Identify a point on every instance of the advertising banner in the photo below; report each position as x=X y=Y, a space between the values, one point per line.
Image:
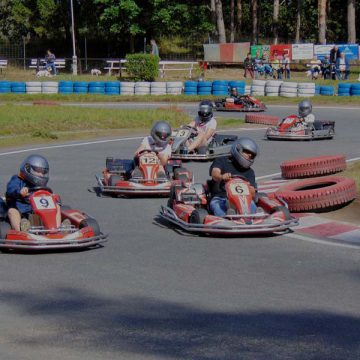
x=226 y=53
x=262 y=50
x=351 y=51
x=212 y=52
x=302 y=51
x=320 y=51
x=280 y=50
x=240 y=51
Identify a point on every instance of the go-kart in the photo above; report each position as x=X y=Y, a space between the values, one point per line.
x=219 y=146
x=46 y=232
x=120 y=179
x=292 y=128
x=244 y=103
x=188 y=208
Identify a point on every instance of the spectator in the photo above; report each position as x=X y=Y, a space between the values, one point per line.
x=286 y=66
x=342 y=67
x=334 y=55
x=257 y=65
x=154 y=48
x=248 y=66
x=276 y=66
x=326 y=67
x=50 y=62
x=315 y=68
x=268 y=70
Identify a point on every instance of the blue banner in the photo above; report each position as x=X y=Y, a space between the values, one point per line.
x=351 y=51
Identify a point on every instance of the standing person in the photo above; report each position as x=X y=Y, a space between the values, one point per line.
x=154 y=48
x=334 y=55
x=248 y=66
x=286 y=66
x=342 y=67
x=257 y=65
x=50 y=61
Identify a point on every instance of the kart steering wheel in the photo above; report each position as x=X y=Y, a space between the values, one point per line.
x=239 y=177
x=147 y=151
x=37 y=188
x=192 y=128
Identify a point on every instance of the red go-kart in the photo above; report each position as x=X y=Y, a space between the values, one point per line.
x=120 y=178
x=46 y=231
x=243 y=103
x=293 y=128
x=188 y=208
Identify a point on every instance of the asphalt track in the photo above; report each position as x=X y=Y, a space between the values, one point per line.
x=153 y=293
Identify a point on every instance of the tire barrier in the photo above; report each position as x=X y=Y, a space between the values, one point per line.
x=96 y=87
x=247 y=89
x=142 y=88
x=239 y=85
x=50 y=87
x=258 y=88
x=327 y=90
x=262 y=119
x=204 y=88
x=318 y=194
x=5 y=87
x=112 y=87
x=313 y=166
x=272 y=87
x=80 y=87
x=289 y=89
x=19 y=87
x=66 y=87
x=33 y=87
x=190 y=88
x=317 y=89
x=344 y=89
x=158 y=88
x=355 y=90
x=174 y=87
x=127 y=88
x=220 y=88
x=306 y=89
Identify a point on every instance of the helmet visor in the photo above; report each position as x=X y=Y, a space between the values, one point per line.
x=36 y=170
x=205 y=109
x=163 y=136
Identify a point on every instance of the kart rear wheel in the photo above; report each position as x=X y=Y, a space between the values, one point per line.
x=4 y=228
x=92 y=223
x=198 y=216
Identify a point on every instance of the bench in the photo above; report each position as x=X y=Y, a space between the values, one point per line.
x=41 y=64
x=179 y=66
x=3 y=65
x=115 y=65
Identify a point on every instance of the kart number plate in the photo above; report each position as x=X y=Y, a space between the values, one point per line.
x=44 y=202
x=239 y=189
x=182 y=133
x=288 y=120
x=149 y=160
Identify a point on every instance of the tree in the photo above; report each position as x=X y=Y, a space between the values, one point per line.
x=298 y=20
x=220 y=21
x=351 y=21
x=254 y=7
x=276 y=21
x=232 y=22
x=322 y=21
x=239 y=15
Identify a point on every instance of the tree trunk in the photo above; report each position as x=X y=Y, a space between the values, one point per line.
x=298 y=20
x=322 y=21
x=254 y=5
x=276 y=21
x=238 y=17
x=213 y=12
x=351 y=21
x=232 y=16
x=220 y=21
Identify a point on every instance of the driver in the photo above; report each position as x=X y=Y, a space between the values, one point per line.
x=306 y=117
x=158 y=141
x=205 y=124
x=34 y=171
x=242 y=155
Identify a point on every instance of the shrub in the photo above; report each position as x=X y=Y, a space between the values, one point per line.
x=142 y=66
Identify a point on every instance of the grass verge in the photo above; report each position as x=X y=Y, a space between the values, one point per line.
x=353 y=171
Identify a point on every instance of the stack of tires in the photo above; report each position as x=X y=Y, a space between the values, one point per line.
x=5 y=87
x=174 y=87
x=190 y=88
x=239 y=85
x=112 y=87
x=317 y=89
x=204 y=88
x=142 y=88
x=80 y=87
x=18 y=87
x=127 y=88
x=289 y=89
x=272 y=87
x=355 y=90
x=247 y=90
x=66 y=87
x=220 y=88
x=50 y=87
x=327 y=90
x=344 y=89
x=306 y=89
x=158 y=88
x=32 y=87
x=96 y=87
x=258 y=87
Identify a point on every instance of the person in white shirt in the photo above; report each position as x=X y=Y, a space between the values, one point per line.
x=205 y=124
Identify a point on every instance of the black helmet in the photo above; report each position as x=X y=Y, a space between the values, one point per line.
x=205 y=110
x=239 y=146
x=234 y=91
x=35 y=170
x=161 y=132
x=305 y=107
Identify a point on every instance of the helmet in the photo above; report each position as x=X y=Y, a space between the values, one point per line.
x=35 y=170
x=205 y=110
x=161 y=132
x=244 y=144
x=234 y=91
x=305 y=108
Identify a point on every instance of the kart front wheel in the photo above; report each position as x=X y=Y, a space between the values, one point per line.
x=4 y=228
x=92 y=223
x=198 y=216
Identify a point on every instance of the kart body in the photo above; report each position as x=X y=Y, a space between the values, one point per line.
x=291 y=128
x=220 y=145
x=119 y=179
x=188 y=208
x=46 y=232
x=243 y=103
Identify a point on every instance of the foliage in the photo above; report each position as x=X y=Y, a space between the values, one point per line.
x=142 y=66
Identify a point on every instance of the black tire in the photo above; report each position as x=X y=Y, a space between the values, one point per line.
x=92 y=223
x=4 y=228
x=198 y=216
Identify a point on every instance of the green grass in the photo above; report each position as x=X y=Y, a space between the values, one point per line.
x=353 y=171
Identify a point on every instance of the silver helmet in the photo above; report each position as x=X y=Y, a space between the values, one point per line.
x=205 y=110
x=305 y=107
x=241 y=145
x=161 y=132
x=35 y=170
